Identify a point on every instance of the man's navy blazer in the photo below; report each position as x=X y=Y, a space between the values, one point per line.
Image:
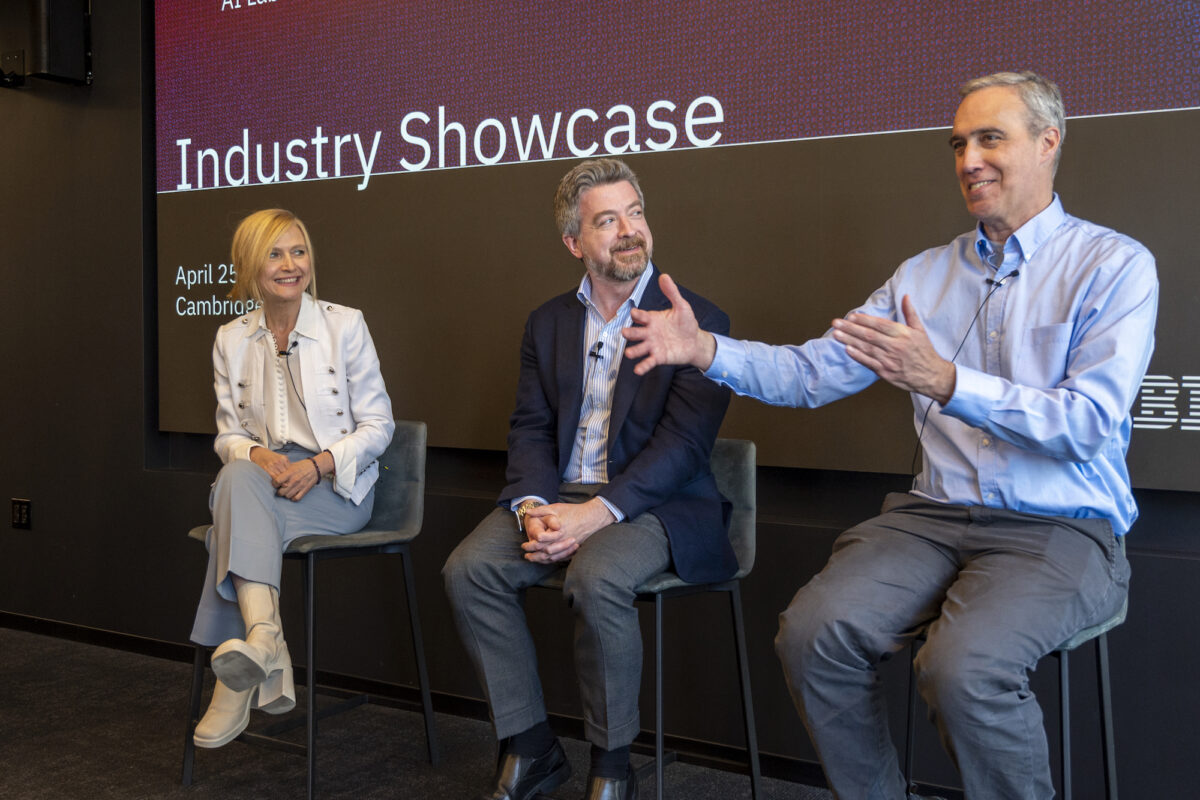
x=660 y=437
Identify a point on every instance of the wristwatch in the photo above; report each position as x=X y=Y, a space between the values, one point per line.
x=523 y=509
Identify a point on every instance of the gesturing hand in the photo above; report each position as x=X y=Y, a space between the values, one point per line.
x=900 y=353
x=671 y=336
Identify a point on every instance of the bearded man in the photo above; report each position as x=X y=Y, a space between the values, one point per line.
x=608 y=476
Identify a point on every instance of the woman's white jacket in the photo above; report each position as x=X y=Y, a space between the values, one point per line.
x=348 y=406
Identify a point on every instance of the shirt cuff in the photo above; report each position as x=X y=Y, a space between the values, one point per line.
x=513 y=505
x=241 y=450
x=728 y=361
x=975 y=394
x=616 y=512
x=345 y=467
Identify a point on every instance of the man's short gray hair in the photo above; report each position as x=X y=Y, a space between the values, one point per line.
x=1040 y=95
x=585 y=175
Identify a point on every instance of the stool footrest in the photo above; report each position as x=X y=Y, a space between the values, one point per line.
x=263 y=740
x=294 y=722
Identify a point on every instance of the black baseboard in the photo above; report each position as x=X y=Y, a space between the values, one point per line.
x=172 y=651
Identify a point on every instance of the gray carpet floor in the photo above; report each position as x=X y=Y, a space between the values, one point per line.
x=81 y=721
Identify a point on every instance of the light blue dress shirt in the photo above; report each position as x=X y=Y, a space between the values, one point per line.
x=604 y=347
x=1050 y=363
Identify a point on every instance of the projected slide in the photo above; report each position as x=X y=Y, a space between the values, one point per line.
x=421 y=141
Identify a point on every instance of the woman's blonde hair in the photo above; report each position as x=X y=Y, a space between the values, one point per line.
x=252 y=242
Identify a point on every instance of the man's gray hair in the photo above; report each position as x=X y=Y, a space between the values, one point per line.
x=1040 y=95
x=585 y=175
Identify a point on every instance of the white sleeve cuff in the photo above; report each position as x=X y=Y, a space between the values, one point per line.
x=975 y=393
x=240 y=450
x=513 y=505
x=616 y=512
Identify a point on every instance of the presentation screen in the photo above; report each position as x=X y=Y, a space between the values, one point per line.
x=792 y=154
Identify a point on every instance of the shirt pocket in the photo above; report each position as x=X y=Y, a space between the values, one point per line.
x=1042 y=358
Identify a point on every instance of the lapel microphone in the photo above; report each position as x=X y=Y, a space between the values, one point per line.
x=1005 y=279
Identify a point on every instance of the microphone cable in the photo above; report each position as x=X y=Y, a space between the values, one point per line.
x=925 y=417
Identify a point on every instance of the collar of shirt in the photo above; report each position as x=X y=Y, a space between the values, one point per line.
x=1024 y=241
x=584 y=292
x=306 y=320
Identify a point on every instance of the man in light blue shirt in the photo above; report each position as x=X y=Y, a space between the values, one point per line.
x=1023 y=344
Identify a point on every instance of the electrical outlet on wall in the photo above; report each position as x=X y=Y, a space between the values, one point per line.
x=22 y=514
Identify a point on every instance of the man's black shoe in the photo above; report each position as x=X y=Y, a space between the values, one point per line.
x=523 y=777
x=613 y=788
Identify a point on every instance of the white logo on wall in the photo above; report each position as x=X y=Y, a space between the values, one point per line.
x=1165 y=402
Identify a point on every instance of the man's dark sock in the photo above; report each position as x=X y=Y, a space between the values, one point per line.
x=610 y=763
x=535 y=741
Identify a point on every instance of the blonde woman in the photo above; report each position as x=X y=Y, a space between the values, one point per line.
x=302 y=416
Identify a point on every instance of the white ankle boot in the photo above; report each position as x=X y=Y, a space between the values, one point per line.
x=277 y=694
x=261 y=660
x=227 y=715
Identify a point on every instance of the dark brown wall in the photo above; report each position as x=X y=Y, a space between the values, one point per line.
x=113 y=498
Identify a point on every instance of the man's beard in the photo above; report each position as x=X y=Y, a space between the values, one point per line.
x=620 y=266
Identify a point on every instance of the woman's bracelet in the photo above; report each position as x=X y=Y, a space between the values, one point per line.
x=316 y=467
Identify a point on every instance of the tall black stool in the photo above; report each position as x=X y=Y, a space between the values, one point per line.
x=395 y=522
x=733 y=466
x=1098 y=633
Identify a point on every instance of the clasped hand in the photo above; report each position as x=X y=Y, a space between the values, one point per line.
x=291 y=479
x=555 y=531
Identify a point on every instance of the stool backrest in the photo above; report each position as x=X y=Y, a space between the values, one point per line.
x=400 y=490
x=733 y=465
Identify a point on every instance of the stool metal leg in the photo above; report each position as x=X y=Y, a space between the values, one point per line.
x=658 y=698
x=310 y=667
x=909 y=747
x=739 y=635
x=414 y=620
x=189 y=743
x=1064 y=704
x=1106 y=717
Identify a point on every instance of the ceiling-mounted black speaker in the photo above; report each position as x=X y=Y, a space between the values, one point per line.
x=49 y=39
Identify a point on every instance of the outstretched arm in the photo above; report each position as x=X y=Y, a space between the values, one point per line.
x=671 y=336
